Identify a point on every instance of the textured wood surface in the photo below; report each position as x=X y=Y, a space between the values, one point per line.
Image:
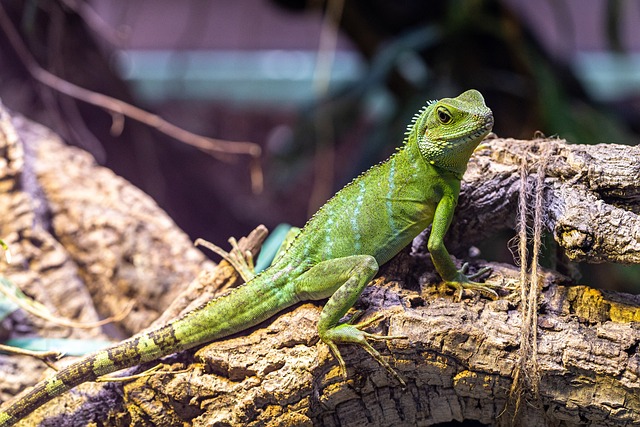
x=592 y=196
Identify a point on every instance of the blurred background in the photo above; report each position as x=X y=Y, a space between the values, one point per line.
x=324 y=88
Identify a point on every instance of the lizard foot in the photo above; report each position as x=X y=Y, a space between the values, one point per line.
x=462 y=281
x=348 y=333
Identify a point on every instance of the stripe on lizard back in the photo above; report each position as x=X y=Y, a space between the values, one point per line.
x=376 y=231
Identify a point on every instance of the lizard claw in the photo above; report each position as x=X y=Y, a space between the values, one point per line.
x=348 y=333
x=479 y=273
x=462 y=281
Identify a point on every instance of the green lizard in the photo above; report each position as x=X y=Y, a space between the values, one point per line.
x=334 y=256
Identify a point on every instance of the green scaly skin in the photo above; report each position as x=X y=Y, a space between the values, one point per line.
x=334 y=256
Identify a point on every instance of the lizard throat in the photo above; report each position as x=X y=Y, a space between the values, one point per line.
x=452 y=155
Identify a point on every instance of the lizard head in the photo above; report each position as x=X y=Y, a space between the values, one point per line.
x=447 y=131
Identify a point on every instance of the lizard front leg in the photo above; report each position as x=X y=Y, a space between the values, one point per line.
x=343 y=280
x=441 y=258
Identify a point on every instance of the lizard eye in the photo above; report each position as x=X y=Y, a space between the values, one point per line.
x=443 y=115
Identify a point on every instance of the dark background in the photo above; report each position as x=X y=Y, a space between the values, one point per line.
x=252 y=70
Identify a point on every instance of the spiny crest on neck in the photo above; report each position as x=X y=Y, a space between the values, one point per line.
x=415 y=119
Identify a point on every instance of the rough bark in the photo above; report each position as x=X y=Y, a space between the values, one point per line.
x=592 y=196
x=85 y=243
x=458 y=358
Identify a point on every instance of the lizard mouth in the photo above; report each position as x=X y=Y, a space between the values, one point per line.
x=488 y=124
x=483 y=130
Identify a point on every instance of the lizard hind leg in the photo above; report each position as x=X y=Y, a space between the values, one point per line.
x=343 y=280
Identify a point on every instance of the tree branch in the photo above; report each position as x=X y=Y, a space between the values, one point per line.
x=118 y=108
x=592 y=196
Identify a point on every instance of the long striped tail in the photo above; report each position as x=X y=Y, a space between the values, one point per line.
x=137 y=349
x=238 y=310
